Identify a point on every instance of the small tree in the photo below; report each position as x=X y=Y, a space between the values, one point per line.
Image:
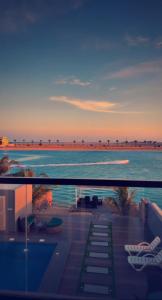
x=6 y=164
x=123 y=200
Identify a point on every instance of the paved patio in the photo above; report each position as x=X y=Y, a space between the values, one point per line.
x=129 y=284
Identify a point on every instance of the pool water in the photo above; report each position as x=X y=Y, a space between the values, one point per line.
x=21 y=270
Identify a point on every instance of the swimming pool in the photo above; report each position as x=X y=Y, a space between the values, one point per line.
x=23 y=271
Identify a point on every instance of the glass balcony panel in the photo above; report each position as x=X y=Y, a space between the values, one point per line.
x=15 y=200
x=71 y=241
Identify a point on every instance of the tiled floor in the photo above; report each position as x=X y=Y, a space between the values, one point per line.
x=128 y=283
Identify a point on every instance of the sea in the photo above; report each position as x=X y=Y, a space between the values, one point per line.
x=137 y=165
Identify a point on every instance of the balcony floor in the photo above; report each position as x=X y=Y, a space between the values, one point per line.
x=129 y=284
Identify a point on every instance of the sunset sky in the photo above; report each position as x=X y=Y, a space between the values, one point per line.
x=74 y=69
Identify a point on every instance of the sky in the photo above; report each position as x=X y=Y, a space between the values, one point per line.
x=81 y=69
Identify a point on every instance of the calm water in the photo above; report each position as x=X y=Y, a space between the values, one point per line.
x=142 y=165
x=22 y=271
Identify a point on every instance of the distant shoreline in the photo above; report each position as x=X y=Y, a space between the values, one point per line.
x=80 y=147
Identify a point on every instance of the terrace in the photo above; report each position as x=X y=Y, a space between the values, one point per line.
x=89 y=261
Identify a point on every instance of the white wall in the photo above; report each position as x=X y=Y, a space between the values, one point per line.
x=23 y=201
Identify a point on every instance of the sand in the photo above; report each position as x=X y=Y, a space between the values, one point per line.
x=81 y=147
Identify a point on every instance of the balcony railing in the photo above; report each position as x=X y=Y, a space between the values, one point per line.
x=74 y=252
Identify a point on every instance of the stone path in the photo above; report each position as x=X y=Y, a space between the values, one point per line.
x=97 y=278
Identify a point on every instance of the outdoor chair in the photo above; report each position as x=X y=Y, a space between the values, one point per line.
x=21 y=223
x=87 y=200
x=142 y=247
x=96 y=200
x=80 y=202
x=138 y=263
x=54 y=225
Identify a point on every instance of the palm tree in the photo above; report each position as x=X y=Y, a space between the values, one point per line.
x=57 y=141
x=40 y=189
x=123 y=200
x=40 y=143
x=99 y=142
x=6 y=164
x=74 y=142
x=117 y=142
x=108 y=141
x=82 y=142
x=49 y=141
x=15 y=142
x=154 y=143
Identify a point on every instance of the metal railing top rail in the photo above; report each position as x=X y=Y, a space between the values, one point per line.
x=82 y=182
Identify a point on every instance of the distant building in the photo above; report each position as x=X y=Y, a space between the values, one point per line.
x=4 y=141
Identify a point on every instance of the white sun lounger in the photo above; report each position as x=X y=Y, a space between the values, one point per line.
x=142 y=247
x=148 y=259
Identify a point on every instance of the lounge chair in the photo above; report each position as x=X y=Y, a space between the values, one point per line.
x=142 y=247
x=148 y=259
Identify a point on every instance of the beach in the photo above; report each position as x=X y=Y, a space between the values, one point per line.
x=81 y=147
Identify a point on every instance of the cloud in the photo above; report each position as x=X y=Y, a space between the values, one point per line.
x=17 y=16
x=90 y=105
x=76 y=4
x=15 y=20
x=73 y=81
x=137 y=70
x=158 y=44
x=137 y=40
x=113 y=88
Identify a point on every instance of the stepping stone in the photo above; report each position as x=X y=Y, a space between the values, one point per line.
x=100 y=270
x=97 y=289
x=100 y=233
x=98 y=254
x=96 y=243
x=100 y=226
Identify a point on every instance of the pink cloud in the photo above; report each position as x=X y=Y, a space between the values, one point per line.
x=92 y=105
x=14 y=20
x=143 y=68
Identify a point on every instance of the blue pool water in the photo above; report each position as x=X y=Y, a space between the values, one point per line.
x=21 y=270
x=143 y=165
